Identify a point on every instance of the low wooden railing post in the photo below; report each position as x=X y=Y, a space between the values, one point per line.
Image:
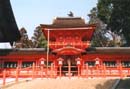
x=60 y=70
x=4 y=77
x=55 y=71
x=51 y=71
x=33 y=71
x=104 y=71
x=86 y=70
x=97 y=71
x=16 y=79
x=120 y=69
x=91 y=72
x=78 y=71
x=41 y=72
x=128 y=71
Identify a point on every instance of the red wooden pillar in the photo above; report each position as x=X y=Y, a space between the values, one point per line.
x=78 y=60
x=60 y=62
x=36 y=72
x=55 y=69
x=36 y=60
x=37 y=65
x=4 y=77
x=69 y=69
x=41 y=63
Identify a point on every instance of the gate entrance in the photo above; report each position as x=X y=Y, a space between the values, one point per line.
x=69 y=67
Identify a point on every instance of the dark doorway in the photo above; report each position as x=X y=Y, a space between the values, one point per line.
x=69 y=66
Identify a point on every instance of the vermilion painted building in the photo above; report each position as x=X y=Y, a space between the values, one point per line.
x=68 y=53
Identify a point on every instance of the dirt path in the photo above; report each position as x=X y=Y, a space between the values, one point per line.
x=65 y=83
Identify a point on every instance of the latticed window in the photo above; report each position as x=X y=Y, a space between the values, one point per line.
x=49 y=63
x=110 y=63
x=10 y=64
x=90 y=63
x=125 y=63
x=1 y=65
x=27 y=64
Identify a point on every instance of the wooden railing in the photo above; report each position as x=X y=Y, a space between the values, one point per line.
x=103 y=71
x=54 y=72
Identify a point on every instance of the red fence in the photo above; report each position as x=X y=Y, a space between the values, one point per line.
x=56 y=71
x=103 y=71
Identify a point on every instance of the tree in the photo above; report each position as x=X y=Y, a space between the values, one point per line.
x=100 y=38
x=104 y=8
x=116 y=14
x=38 y=38
x=24 y=41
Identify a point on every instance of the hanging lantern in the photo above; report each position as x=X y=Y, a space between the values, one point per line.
x=78 y=61
x=60 y=61
x=97 y=61
x=42 y=61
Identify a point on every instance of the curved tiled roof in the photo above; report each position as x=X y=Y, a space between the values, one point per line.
x=8 y=28
x=67 y=22
x=108 y=50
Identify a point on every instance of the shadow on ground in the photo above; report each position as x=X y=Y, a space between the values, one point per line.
x=124 y=84
x=107 y=85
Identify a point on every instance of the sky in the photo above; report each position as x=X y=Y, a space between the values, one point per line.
x=32 y=13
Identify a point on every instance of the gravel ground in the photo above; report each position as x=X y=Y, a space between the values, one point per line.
x=64 y=83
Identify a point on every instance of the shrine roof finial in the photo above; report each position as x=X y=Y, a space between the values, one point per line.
x=71 y=14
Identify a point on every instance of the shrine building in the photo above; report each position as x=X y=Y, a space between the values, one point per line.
x=69 y=53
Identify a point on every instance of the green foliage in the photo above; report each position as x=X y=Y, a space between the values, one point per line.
x=24 y=41
x=39 y=40
x=116 y=14
x=99 y=38
x=104 y=10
